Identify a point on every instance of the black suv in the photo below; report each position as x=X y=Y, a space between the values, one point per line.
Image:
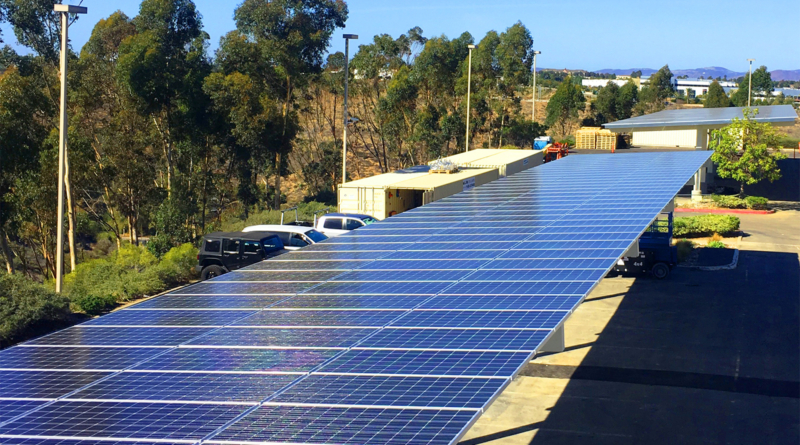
x=226 y=251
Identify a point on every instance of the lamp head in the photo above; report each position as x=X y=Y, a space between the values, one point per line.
x=71 y=9
x=471 y=46
x=350 y=36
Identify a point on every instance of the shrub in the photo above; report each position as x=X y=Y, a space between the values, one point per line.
x=728 y=202
x=685 y=248
x=129 y=273
x=177 y=265
x=26 y=307
x=756 y=202
x=716 y=245
x=705 y=225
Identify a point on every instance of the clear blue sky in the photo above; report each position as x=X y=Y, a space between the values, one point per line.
x=587 y=34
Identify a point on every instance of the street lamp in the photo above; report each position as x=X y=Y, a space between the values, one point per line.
x=750 y=82
x=469 y=84
x=533 y=106
x=65 y=11
x=347 y=38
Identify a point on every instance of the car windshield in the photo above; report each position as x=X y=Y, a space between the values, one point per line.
x=316 y=236
x=368 y=220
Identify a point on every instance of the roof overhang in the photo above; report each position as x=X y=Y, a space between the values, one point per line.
x=779 y=115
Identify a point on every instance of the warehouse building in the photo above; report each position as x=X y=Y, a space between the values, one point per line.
x=691 y=129
x=388 y=194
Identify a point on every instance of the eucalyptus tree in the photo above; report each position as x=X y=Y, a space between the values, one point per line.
x=290 y=39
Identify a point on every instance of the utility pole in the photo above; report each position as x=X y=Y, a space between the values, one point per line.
x=533 y=99
x=750 y=82
x=65 y=11
x=469 y=85
x=347 y=38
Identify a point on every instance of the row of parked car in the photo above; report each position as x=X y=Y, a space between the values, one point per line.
x=226 y=251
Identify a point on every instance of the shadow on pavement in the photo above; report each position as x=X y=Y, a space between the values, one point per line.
x=703 y=357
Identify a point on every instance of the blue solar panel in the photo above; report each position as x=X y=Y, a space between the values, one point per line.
x=396 y=265
x=432 y=363
x=13 y=408
x=274 y=276
x=398 y=275
x=124 y=420
x=101 y=359
x=482 y=319
x=298 y=318
x=185 y=386
x=518 y=288
x=478 y=281
x=280 y=264
x=44 y=384
x=495 y=302
x=238 y=360
x=168 y=318
x=209 y=302
x=352 y=301
x=208 y=288
x=276 y=337
x=38 y=441
x=419 y=392
x=381 y=288
x=356 y=426
x=85 y=335
x=462 y=339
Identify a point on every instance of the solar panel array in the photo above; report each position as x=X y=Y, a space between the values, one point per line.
x=400 y=332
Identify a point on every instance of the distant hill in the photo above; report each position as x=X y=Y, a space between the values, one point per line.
x=711 y=71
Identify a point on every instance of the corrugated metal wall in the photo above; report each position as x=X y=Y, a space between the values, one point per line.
x=665 y=138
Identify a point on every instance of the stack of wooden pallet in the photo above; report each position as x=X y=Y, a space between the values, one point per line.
x=595 y=138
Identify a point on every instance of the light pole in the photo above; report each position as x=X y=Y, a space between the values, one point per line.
x=65 y=11
x=469 y=85
x=347 y=38
x=533 y=105
x=750 y=82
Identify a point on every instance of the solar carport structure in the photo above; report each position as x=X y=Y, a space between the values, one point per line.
x=401 y=332
x=691 y=128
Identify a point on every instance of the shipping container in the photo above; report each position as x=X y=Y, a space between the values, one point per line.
x=395 y=193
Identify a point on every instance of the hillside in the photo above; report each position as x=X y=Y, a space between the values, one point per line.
x=711 y=71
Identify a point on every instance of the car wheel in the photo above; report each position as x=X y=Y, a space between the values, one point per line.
x=210 y=272
x=660 y=271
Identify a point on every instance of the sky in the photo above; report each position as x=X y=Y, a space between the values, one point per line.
x=575 y=34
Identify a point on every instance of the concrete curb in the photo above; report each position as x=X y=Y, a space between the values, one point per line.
x=734 y=262
x=734 y=211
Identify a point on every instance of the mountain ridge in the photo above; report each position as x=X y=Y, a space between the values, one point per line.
x=711 y=71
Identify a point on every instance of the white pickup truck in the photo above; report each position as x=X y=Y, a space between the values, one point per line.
x=333 y=224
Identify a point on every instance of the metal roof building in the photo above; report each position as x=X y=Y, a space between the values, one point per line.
x=382 y=196
x=691 y=128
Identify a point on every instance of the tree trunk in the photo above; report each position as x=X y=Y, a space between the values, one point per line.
x=167 y=143
x=277 y=199
x=7 y=252
x=70 y=212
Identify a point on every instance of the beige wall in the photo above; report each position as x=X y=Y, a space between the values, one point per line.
x=665 y=138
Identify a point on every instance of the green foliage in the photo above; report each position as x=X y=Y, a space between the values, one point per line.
x=170 y=226
x=129 y=273
x=27 y=307
x=716 y=97
x=756 y=202
x=728 y=202
x=705 y=225
x=653 y=95
x=305 y=212
x=762 y=84
x=521 y=132
x=716 y=245
x=562 y=109
x=743 y=151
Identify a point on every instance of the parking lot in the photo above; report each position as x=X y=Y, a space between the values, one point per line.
x=703 y=357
